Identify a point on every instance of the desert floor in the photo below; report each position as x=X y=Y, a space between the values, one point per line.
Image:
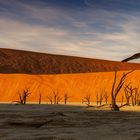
x=60 y=122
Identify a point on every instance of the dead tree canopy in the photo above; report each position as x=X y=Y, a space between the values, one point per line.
x=132 y=93
x=97 y=98
x=116 y=87
x=50 y=98
x=106 y=97
x=128 y=89
x=66 y=97
x=87 y=99
x=23 y=96
x=54 y=97
x=57 y=97
x=103 y=96
x=40 y=98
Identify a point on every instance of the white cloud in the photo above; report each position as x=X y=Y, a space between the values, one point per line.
x=80 y=39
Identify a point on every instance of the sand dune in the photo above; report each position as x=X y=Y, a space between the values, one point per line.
x=44 y=73
x=76 y=85
x=15 y=61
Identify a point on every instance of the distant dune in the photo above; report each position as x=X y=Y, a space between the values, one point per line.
x=16 y=61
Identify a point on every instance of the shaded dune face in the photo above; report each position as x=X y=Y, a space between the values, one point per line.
x=76 y=85
x=15 y=61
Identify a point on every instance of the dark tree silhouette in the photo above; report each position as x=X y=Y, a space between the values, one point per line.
x=66 y=97
x=128 y=90
x=101 y=97
x=106 y=97
x=23 y=96
x=50 y=98
x=122 y=100
x=135 y=96
x=116 y=87
x=87 y=99
x=40 y=98
x=97 y=99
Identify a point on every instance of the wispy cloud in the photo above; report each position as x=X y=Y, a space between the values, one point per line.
x=51 y=27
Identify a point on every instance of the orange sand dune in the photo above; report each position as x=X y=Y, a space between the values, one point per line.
x=76 y=85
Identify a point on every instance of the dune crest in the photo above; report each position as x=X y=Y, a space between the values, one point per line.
x=25 y=62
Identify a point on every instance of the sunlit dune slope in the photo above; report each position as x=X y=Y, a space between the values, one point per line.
x=76 y=85
x=15 y=61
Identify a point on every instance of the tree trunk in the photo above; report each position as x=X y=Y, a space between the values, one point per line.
x=40 y=98
x=127 y=101
x=65 y=101
x=114 y=105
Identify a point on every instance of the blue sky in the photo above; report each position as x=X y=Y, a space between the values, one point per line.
x=105 y=29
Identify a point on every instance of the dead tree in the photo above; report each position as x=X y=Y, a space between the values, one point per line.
x=101 y=97
x=56 y=97
x=122 y=100
x=50 y=98
x=40 y=98
x=128 y=90
x=116 y=87
x=106 y=97
x=97 y=99
x=23 y=96
x=55 y=94
x=131 y=93
x=138 y=98
x=87 y=99
x=135 y=96
x=66 y=97
x=20 y=98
